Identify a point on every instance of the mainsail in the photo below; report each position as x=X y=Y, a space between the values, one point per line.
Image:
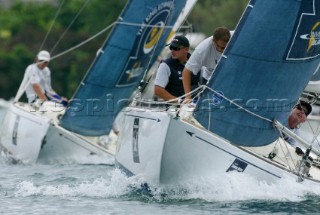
x=267 y=64
x=132 y=47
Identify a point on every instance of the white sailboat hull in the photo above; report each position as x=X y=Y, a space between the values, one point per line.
x=22 y=133
x=180 y=151
x=61 y=144
x=30 y=136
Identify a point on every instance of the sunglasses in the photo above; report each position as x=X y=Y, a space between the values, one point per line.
x=299 y=107
x=174 y=48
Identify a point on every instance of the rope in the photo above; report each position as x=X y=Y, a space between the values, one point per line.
x=145 y=25
x=101 y=32
x=48 y=32
x=84 y=42
x=315 y=133
x=195 y=92
x=199 y=90
x=287 y=150
x=237 y=105
x=74 y=19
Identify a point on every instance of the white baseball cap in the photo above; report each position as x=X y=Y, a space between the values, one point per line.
x=44 y=56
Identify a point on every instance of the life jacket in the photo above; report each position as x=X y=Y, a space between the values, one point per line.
x=175 y=84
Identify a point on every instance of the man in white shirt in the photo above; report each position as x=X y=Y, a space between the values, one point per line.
x=39 y=81
x=205 y=58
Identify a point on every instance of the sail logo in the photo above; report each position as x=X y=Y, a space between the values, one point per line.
x=153 y=38
x=135 y=71
x=217 y=98
x=306 y=41
x=313 y=37
x=149 y=35
x=237 y=165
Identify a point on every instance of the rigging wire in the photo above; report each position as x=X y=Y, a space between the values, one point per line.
x=285 y=151
x=51 y=26
x=239 y=106
x=105 y=29
x=195 y=92
x=74 y=19
x=84 y=42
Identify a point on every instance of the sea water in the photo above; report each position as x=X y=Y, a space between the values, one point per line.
x=81 y=187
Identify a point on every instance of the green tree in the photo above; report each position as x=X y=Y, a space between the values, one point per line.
x=210 y=14
x=24 y=27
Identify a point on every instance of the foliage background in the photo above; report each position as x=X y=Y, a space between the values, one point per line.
x=24 y=26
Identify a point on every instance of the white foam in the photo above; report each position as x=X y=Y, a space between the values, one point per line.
x=226 y=187
x=113 y=185
x=239 y=187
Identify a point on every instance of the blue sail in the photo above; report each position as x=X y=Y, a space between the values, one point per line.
x=267 y=64
x=316 y=76
x=132 y=47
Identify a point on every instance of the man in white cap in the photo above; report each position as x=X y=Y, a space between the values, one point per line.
x=39 y=81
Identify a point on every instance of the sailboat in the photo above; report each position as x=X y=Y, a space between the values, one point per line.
x=30 y=134
x=242 y=112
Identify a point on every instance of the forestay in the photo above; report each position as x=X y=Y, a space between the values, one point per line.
x=267 y=64
x=132 y=47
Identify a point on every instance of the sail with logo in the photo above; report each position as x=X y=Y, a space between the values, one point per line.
x=134 y=44
x=266 y=83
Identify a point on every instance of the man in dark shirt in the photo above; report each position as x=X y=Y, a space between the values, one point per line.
x=168 y=82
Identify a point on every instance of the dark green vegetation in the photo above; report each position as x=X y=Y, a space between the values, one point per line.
x=24 y=26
